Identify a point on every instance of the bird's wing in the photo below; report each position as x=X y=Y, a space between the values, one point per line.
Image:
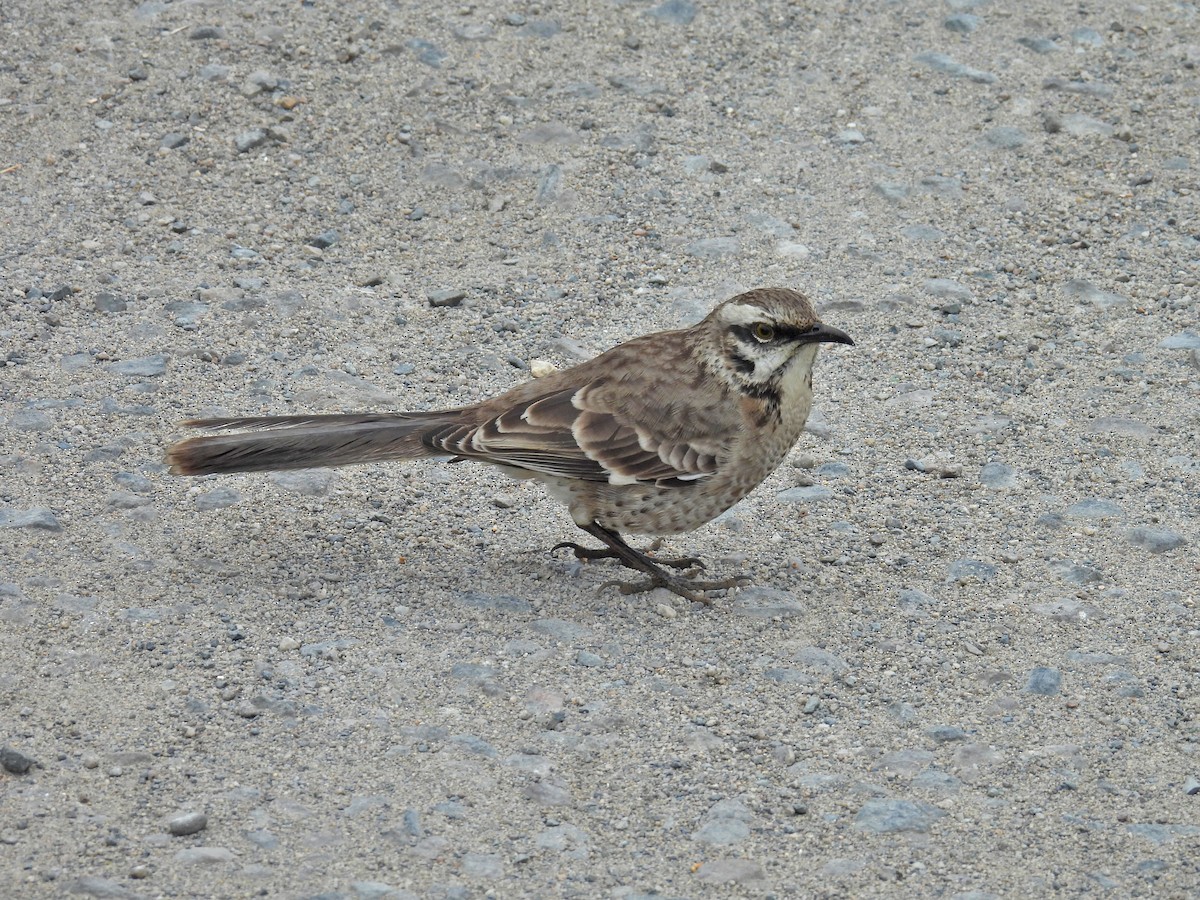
x=597 y=431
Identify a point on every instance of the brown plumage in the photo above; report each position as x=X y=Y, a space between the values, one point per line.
x=657 y=435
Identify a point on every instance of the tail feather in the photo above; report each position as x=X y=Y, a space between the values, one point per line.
x=302 y=442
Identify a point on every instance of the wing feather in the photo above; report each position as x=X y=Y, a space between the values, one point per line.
x=582 y=432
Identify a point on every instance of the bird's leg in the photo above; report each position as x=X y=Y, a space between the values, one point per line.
x=635 y=559
x=581 y=552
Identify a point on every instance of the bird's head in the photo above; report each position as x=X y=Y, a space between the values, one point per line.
x=768 y=337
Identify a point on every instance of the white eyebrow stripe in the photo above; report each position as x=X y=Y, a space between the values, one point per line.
x=744 y=314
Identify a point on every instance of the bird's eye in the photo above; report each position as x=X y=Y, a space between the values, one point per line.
x=764 y=332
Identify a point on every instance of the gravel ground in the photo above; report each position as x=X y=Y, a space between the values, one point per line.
x=967 y=666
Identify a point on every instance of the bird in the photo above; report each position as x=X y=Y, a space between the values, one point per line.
x=658 y=435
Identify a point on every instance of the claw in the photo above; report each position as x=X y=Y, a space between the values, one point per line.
x=650 y=566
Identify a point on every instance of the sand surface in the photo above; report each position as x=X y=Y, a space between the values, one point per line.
x=967 y=665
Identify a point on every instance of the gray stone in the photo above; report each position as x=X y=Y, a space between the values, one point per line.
x=892 y=816
x=967 y=569
x=1006 y=137
x=473 y=744
x=944 y=734
x=95 y=886
x=1044 y=681
x=1095 y=509
x=37 y=517
x=1087 y=37
x=545 y=793
x=1163 y=834
x=430 y=54
x=1086 y=292
x=1079 y=125
x=714 y=248
x=1068 y=609
x=904 y=762
x=940 y=62
x=809 y=494
x=218 y=498
x=204 y=856
x=248 y=140
x=15 y=761
x=821 y=660
x=997 y=476
x=1184 y=340
x=1155 y=540
x=309 y=483
x=500 y=602
x=739 y=871
x=147 y=366
x=789 y=676
x=674 y=12
x=1076 y=573
x=1039 y=45
x=962 y=23
x=549 y=133
x=722 y=832
x=923 y=233
x=188 y=823
x=766 y=603
x=911 y=598
x=561 y=630
x=447 y=297
x=947 y=289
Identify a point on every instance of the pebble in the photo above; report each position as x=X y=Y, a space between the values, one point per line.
x=821 y=660
x=940 y=62
x=561 y=630
x=714 y=248
x=962 y=23
x=1191 y=787
x=1006 y=137
x=497 y=602
x=811 y=494
x=95 y=886
x=15 y=761
x=1040 y=45
x=145 y=367
x=35 y=517
x=1095 y=509
x=735 y=871
x=248 y=140
x=947 y=289
x=1044 y=681
x=895 y=816
x=545 y=793
x=187 y=823
x=1086 y=292
x=965 y=570
x=1184 y=340
x=219 y=498
x=674 y=12
x=447 y=297
x=766 y=603
x=943 y=734
x=1155 y=540
x=997 y=476
x=306 y=483
x=204 y=856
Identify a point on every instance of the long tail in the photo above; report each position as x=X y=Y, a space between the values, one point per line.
x=301 y=442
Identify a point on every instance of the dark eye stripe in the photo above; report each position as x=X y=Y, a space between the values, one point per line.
x=745 y=334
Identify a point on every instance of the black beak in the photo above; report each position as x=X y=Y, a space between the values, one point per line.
x=825 y=334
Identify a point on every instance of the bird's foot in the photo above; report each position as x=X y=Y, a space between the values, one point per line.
x=581 y=552
x=683 y=587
